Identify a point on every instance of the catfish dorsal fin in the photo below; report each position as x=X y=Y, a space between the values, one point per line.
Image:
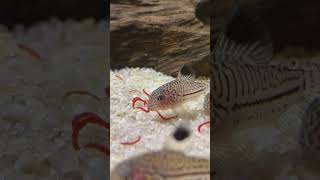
x=186 y=73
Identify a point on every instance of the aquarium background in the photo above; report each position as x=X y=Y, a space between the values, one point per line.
x=291 y=28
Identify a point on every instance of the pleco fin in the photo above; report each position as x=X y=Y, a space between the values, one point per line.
x=245 y=37
x=180 y=137
x=228 y=50
x=187 y=73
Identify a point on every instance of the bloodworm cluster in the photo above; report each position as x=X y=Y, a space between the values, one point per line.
x=83 y=119
x=145 y=102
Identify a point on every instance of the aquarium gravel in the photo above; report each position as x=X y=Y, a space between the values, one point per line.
x=38 y=65
x=127 y=124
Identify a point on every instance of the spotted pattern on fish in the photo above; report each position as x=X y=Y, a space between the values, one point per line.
x=164 y=164
x=175 y=92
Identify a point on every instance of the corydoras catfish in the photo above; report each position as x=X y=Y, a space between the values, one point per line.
x=174 y=94
x=167 y=163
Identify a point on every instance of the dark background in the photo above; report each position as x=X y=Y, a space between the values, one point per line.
x=293 y=24
x=30 y=12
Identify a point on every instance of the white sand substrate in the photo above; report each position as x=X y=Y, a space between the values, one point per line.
x=35 y=121
x=127 y=124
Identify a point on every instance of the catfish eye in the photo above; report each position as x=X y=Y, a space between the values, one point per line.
x=160 y=98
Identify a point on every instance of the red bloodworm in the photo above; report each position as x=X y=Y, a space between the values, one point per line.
x=80 y=117
x=119 y=77
x=134 y=90
x=202 y=124
x=81 y=121
x=134 y=100
x=146 y=93
x=131 y=143
x=29 y=50
x=70 y=93
x=166 y=118
x=99 y=147
x=143 y=109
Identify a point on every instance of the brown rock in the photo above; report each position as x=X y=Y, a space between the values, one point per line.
x=161 y=34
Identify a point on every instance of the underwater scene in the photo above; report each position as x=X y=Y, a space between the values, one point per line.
x=235 y=82
x=159 y=91
x=53 y=81
x=264 y=89
x=198 y=89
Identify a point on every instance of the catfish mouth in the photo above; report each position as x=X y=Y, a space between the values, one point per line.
x=152 y=107
x=146 y=102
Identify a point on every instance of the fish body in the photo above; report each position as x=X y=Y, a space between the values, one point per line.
x=164 y=164
x=168 y=163
x=174 y=93
x=243 y=91
x=247 y=95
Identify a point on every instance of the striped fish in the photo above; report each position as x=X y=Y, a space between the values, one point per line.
x=173 y=94
x=164 y=164
x=246 y=94
x=244 y=91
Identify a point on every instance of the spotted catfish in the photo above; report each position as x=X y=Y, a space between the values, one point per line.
x=168 y=163
x=174 y=94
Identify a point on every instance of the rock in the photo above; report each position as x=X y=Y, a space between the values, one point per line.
x=161 y=34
